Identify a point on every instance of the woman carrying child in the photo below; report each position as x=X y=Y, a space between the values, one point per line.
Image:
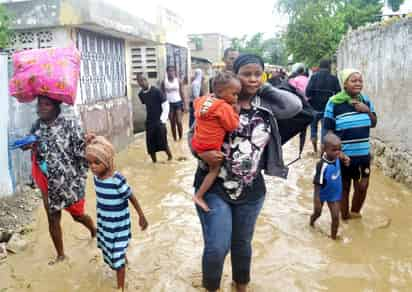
x=237 y=195
x=215 y=118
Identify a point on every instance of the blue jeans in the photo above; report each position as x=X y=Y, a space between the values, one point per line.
x=314 y=126
x=227 y=227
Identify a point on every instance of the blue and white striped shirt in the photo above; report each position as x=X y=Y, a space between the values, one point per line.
x=351 y=126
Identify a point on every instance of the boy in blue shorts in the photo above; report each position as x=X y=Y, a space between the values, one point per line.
x=328 y=181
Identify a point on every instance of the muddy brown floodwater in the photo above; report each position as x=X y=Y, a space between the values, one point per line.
x=374 y=254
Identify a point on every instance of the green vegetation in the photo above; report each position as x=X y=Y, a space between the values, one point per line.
x=272 y=50
x=395 y=5
x=316 y=27
x=4 y=27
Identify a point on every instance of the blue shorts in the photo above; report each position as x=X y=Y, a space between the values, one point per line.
x=175 y=106
x=330 y=197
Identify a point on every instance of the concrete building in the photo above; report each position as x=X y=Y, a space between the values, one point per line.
x=105 y=36
x=171 y=49
x=206 y=66
x=209 y=46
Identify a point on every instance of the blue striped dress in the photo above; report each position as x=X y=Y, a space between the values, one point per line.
x=113 y=219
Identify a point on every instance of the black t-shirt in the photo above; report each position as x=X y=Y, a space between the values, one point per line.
x=153 y=99
x=322 y=85
x=249 y=194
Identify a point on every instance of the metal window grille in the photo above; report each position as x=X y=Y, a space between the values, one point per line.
x=103 y=66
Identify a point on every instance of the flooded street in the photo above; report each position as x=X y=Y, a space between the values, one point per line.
x=374 y=254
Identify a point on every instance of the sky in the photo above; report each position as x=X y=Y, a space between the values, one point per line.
x=233 y=18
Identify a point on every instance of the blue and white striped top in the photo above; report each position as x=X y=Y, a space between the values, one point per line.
x=113 y=218
x=351 y=126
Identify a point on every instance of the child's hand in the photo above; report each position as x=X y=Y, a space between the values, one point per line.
x=345 y=159
x=236 y=107
x=143 y=222
x=89 y=137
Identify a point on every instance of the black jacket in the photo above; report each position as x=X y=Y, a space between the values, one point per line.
x=322 y=85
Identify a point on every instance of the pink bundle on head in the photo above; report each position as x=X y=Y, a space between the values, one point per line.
x=52 y=72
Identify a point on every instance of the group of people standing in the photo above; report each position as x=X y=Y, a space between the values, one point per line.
x=229 y=180
x=236 y=139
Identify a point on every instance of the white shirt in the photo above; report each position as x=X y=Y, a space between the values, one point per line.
x=172 y=90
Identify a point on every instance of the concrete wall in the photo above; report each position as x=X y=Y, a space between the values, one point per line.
x=109 y=118
x=90 y=14
x=6 y=186
x=213 y=46
x=382 y=53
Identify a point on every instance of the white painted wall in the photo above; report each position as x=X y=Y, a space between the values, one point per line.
x=6 y=187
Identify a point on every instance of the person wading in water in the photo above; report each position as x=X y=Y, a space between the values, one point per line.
x=172 y=88
x=157 y=110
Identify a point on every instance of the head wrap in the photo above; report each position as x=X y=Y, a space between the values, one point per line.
x=298 y=67
x=343 y=96
x=103 y=150
x=345 y=74
x=246 y=59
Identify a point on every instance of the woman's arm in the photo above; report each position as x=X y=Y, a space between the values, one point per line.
x=282 y=103
x=78 y=140
x=183 y=96
x=363 y=108
x=162 y=88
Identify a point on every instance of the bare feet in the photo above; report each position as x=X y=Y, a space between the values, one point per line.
x=337 y=237
x=201 y=203
x=240 y=287
x=312 y=222
x=57 y=260
x=355 y=215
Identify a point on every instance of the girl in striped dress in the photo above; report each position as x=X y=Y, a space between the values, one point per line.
x=113 y=217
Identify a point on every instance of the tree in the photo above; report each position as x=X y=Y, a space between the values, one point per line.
x=272 y=50
x=4 y=27
x=316 y=27
x=314 y=33
x=358 y=12
x=395 y=5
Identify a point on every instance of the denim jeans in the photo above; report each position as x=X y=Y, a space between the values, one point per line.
x=227 y=227
x=314 y=126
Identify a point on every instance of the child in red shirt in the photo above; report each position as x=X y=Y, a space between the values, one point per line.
x=215 y=117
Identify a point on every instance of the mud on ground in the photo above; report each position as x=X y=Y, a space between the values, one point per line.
x=16 y=212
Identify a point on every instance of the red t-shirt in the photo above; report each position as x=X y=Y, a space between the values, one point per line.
x=214 y=118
